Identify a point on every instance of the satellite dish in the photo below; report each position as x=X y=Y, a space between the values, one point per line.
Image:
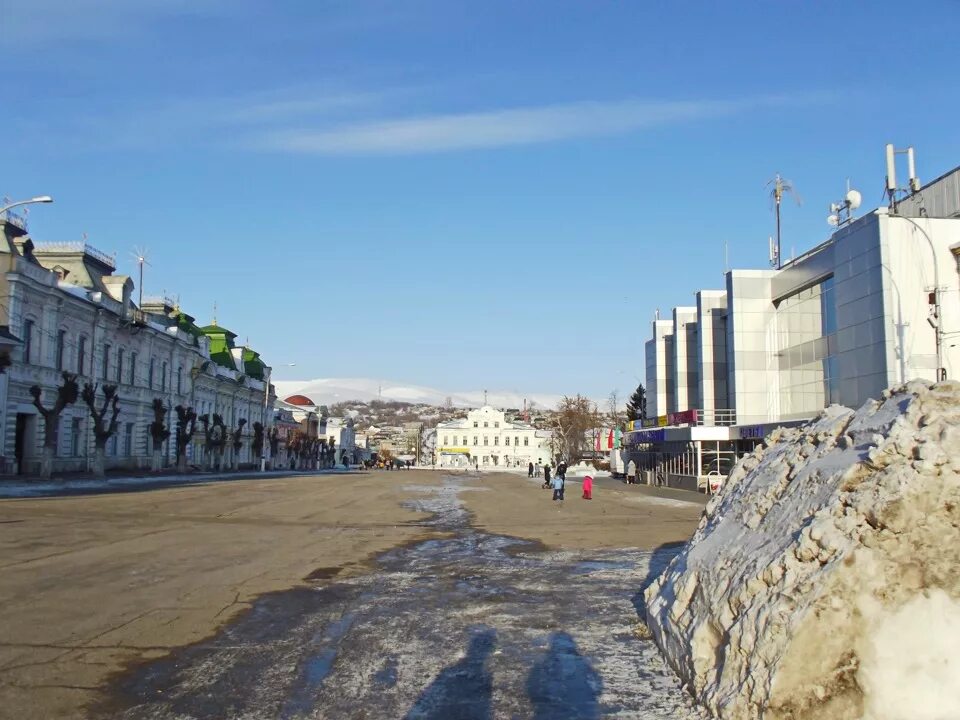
x=833 y=220
x=854 y=199
x=835 y=207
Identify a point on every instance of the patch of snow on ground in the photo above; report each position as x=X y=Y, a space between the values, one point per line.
x=824 y=579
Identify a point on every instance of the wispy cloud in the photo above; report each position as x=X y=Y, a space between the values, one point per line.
x=29 y=22
x=499 y=128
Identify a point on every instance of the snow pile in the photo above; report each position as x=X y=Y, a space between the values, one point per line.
x=824 y=581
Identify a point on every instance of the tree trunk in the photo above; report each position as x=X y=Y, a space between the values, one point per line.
x=156 y=462
x=46 y=462
x=182 y=463
x=98 y=461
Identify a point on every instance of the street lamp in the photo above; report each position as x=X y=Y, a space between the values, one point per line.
x=38 y=199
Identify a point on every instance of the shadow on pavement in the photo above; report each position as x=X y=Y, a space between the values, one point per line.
x=658 y=563
x=464 y=690
x=563 y=685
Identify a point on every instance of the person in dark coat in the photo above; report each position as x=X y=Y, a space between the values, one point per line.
x=530 y=470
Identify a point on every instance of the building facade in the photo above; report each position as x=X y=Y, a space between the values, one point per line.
x=484 y=437
x=67 y=311
x=874 y=306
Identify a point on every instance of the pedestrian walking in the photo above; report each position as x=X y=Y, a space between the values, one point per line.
x=631 y=473
x=587 y=487
x=536 y=470
x=546 y=474
x=557 y=485
x=562 y=470
x=530 y=470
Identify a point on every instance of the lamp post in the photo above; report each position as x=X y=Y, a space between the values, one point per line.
x=38 y=199
x=936 y=319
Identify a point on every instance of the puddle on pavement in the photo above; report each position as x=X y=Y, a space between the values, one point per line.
x=474 y=625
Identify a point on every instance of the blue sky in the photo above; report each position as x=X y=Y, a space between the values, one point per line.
x=459 y=194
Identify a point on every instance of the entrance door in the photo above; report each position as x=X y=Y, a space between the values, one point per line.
x=20 y=444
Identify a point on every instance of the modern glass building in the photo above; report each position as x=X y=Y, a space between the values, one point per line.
x=874 y=306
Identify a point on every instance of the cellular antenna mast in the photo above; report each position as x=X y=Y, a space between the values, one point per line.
x=780 y=187
x=140 y=255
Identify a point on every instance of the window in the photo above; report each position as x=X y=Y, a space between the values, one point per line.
x=496 y=439
x=61 y=340
x=81 y=355
x=526 y=441
x=128 y=441
x=464 y=439
x=133 y=368
x=27 y=340
x=150 y=373
x=475 y=443
x=76 y=446
x=119 y=365
x=506 y=440
x=516 y=440
x=163 y=377
x=496 y=424
x=476 y=424
x=486 y=440
x=179 y=380
x=106 y=361
x=486 y=424
x=112 y=445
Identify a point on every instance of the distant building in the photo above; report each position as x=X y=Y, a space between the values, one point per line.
x=487 y=438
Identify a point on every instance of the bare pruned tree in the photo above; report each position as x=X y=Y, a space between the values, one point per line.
x=66 y=395
x=186 y=425
x=158 y=433
x=103 y=428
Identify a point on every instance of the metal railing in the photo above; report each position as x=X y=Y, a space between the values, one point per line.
x=724 y=417
x=77 y=247
x=15 y=219
x=714 y=417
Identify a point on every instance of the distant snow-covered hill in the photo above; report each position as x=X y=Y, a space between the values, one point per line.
x=328 y=391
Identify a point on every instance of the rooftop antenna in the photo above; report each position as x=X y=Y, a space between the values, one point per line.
x=781 y=186
x=484 y=397
x=214 y=313
x=914 y=181
x=140 y=255
x=726 y=257
x=841 y=213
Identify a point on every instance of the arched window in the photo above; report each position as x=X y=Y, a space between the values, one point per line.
x=119 y=365
x=133 y=368
x=179 y=380
x=163 y=377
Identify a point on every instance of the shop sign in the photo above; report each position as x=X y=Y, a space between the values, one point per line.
x=752 y=432
x=649 y=436
x=682 y=418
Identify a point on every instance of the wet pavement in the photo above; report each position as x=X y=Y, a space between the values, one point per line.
x=472 y=626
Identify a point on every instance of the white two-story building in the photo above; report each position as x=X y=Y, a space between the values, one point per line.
x=486 y=438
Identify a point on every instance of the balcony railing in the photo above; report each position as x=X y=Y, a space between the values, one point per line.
x=77 y=247
x=714 y=417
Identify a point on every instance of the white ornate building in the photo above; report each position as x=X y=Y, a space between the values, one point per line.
x=486 y=438
x=65 y=311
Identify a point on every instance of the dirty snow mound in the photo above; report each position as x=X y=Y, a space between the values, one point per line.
x=824 y=581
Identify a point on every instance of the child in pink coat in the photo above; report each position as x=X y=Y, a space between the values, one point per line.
x=587 y=487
